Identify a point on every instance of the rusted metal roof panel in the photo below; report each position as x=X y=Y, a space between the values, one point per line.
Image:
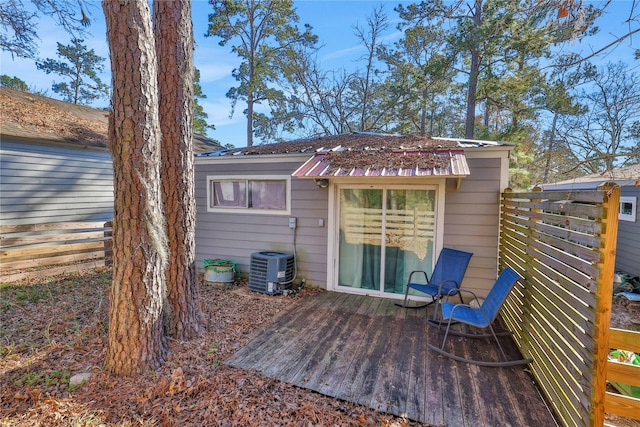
x=444 y=163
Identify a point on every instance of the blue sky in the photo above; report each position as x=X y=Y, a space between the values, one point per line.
x=333 y=22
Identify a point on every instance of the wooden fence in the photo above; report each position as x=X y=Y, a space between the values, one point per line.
x=31 y=250
x=624 y=375
x=563 y=244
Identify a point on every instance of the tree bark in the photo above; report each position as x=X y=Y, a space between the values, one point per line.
x=136 y=342
x=174 y=46
x=474 y=72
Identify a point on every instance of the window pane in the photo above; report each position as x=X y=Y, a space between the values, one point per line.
x=268 y=194
x=229 y=194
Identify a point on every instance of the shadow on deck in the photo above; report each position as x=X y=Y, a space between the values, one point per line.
x=369 y=351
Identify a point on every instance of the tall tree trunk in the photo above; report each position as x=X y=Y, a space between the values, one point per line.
x=474 y=72
x=423 y=115
x=174 y=46
x=250 y=120
x=550 y=147
x=136 y=342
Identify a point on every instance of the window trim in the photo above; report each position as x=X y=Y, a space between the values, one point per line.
x=247 y=178
x=634 y=205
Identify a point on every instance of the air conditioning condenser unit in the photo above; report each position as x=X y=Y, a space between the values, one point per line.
x=271 y=272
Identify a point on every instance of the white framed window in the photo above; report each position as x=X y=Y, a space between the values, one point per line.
x=268 y=194
x=628 y=210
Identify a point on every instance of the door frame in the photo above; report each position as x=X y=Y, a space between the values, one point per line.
x=439 y=184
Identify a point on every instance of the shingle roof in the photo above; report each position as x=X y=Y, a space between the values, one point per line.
x=36 y=117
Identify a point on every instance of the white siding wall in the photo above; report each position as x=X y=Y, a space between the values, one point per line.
x=628 y=249
x=236 y=236
x=42 y=183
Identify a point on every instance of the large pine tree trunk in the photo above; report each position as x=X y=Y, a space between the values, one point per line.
x=136 y=342
x=174 y=45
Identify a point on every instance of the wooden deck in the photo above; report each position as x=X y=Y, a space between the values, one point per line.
x=369 y=351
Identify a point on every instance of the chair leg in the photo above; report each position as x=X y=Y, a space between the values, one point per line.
x=438 y=302
x=504 y=355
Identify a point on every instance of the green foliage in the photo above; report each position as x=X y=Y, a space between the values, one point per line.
x=80 y=67
x=19 y=26
x=42 y=378
x=265 y=37
x=199 y=120
x=14 y=83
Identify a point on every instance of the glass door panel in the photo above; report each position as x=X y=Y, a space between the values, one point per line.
x=409 y=236
x=385 y=233
x=360 y=241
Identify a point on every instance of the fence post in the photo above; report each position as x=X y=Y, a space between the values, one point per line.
x=604 y=291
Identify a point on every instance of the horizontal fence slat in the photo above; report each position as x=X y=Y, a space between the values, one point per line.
x=31 y=250
x=624 y=373
x=72 y=268
x=624 y=340
x=572 y=209
x=625 y=406
x=568 y=260
x=21 y=228
x=52 y=259
x=49 y=238
x=588 y=253
x=584 y=196
x=44 y=251
x=582 y=225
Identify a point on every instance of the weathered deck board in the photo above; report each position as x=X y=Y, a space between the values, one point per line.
x=369 y=351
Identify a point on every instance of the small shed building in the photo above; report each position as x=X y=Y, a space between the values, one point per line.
x=359 y=211
x=628 y=243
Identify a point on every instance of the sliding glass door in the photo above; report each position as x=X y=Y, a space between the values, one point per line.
x=384 y=233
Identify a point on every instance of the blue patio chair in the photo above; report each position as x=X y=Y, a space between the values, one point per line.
x=480 y=317
x=445 y=280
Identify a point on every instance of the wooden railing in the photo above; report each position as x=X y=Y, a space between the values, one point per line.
x=563 y=244
x=30 y=250
x=623 y=374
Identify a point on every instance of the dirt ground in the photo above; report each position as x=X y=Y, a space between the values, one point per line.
x=52 y=329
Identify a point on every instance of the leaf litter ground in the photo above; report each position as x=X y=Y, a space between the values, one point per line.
x=54 y=328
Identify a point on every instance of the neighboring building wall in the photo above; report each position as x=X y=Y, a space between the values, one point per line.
x=41 y=183
x=472 y=219
x=628 y=247
x=236 y=236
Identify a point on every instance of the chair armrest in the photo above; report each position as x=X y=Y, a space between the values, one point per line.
x=426 y=278
x=475 y=297
x=457 y=285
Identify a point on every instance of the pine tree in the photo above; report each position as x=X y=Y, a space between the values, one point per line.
x=80 y=67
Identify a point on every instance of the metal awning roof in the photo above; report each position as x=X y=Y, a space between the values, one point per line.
x=440 y=163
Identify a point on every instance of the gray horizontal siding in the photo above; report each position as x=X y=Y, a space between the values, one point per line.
x=472 y=220
x=628 y=247
x=237 y=236
x=42 y=183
